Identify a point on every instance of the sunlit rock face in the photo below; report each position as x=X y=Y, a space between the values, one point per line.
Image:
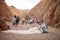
x=18 y=12
x=4 y=13
x=4 y=10
x=49 y=11
x=7 y=12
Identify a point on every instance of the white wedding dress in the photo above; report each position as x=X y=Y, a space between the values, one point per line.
x=33 y=30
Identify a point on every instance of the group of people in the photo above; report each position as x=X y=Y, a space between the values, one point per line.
x=15 y=20
x=42 y=27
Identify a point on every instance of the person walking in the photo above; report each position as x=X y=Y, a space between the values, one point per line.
x=14 y=20
x=17 y=20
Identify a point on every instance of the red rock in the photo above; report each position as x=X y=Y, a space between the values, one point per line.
x=49 y=11
x=4 y=13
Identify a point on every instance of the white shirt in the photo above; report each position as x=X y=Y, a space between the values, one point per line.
x=43 y=24
x=13 y=19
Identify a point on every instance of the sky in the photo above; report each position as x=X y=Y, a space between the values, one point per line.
x=22 y=4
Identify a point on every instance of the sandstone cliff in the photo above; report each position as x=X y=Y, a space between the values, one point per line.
x=5 y=14
x=18 y=12
x=49 y=11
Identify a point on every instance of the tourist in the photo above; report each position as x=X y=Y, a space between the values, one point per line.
x=23 y=20
x=14 y=20
x=17 y=20
x=43 y=27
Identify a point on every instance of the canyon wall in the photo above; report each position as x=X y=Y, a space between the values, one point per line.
x=5 y=14
x=18 y=12
x=49 y=11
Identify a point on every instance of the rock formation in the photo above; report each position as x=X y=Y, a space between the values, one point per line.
x=18 y=12
x=5 y=14
x=49 y=11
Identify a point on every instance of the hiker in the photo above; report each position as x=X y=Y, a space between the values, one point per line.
x=14 y=20
x=23 y=21
x=43 y=27
x=17 y=20
x=31 y=21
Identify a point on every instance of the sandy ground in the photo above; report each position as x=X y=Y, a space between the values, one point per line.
x=53 y=34
x=32 y=30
